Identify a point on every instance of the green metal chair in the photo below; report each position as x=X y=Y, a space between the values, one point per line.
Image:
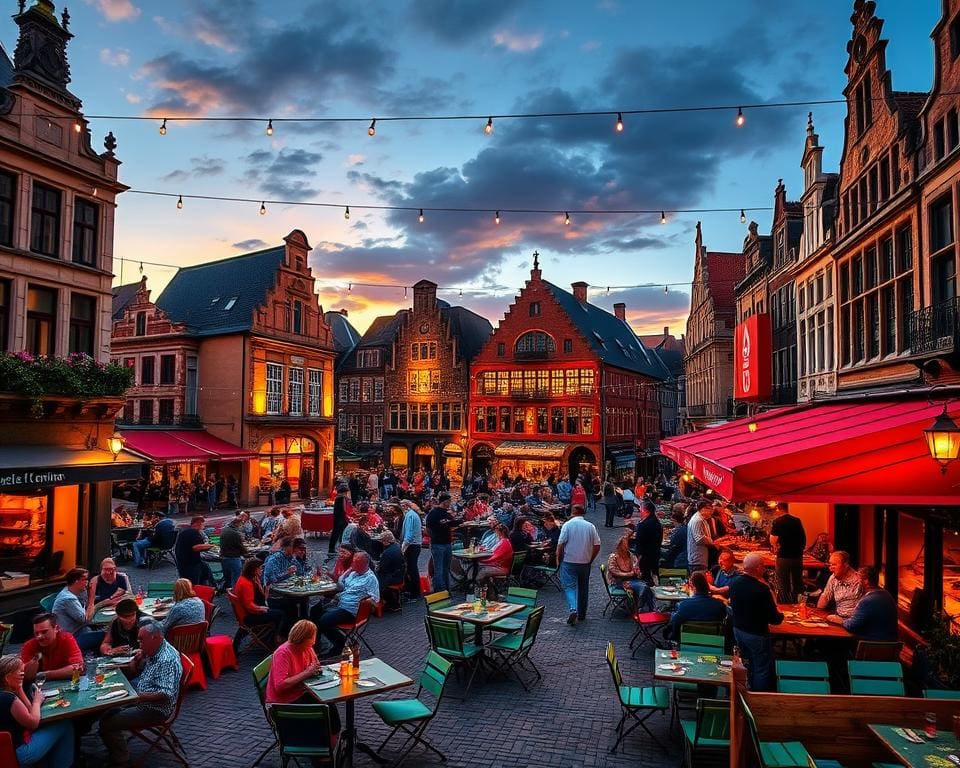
x=684 y=695
x=516 y=570
x=703 y=627
x=616 y=596
x=47 y=601
x=775 y=754
x=412 y=716
x=708 y=735
x=875 y=678
x=446 y=638
x=260 y=674
x=635 y=702
x=512 y=652
x=160 y=589
x=437 y=601
x=515 y=622
x=303 y=731
x=672 y=576
x=803 y=677
x=928 y=693
x=694 y=642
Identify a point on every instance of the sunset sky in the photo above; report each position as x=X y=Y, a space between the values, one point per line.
x=451 y=57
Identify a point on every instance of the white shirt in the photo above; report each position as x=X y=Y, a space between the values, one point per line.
x=578 y=537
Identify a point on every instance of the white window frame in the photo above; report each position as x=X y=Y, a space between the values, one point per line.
x=344 y=391
x=378 y=428
x=274 y=388
x=295 y=391
x=315 y=390
x=354 y=390
x=366 y=389
x=378 y=389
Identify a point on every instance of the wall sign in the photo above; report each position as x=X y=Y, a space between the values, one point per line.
x=753 y=359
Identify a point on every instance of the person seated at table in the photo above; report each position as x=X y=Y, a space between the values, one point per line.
x=253 y=601
x=72 y=615
x=157 y=685
x=122 y=634
x=290 y=561
x=500 y=561
x=623 y=570
x=269 y=523
x=288 y=527
x=120 y=518
x=700 y=606
x=51 y=651
x=520 y=537
x=843 y=588
x=875 y=617
x=341 y=565
x=187 y=607
x=392 y=567
x=507 y=514
x=109 y=586
x=20 y=717
x=157 y=532
x=675 y=553
x=355 y=535
x=356 y=585
x=724 y=572
x=374 y=521
x=550 y=535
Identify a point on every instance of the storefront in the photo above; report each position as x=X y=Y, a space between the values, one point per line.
x=621 y=464
x=289 y=460
x=453 y=462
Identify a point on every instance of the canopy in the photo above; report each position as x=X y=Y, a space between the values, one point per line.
x=182 y=446
x=203 y=439
x=623 y=457
x=523 y=449
x=867 y=451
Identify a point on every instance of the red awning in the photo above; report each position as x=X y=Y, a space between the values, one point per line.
x=845 y=452
x=201 y=439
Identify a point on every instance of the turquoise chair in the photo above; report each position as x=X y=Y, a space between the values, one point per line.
x=260 y=674
x=875 y=678
x=708 y=735
x=47 y=601
x=515 y=622
x=634 y=702
x=616 y=596
x=412 y=716
x=160 y=589
x=512 y=652
x=803 y=677
x=940 y=693
x=446 y=638
x=303 y=731
x=776 y=754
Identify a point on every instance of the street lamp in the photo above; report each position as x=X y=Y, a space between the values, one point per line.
x=115 y=444
x=943 y=440
x=464 y=439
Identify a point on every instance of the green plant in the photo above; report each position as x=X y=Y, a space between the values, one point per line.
x=77 y=376
x=943 y=650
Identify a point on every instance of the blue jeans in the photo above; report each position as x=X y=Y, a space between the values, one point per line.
x=757 y=652
x=441 y=554
x=140 y=547
x=53 y=742
x=575 y=578
x=231 y=570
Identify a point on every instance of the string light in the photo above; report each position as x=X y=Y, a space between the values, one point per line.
x=163 y=127
x=346 y=212
x=488 y=128
x=666 y=289
x=420 y=217
x=141 y=267
x=743 y=216
x=263 y=209
x=349 y=287
x=740 y=118
x=566 y=218
x=663 y=217
x=619 y=122
x=496 y=218
x=372 y=130
x=180 y=203
x=270 y=127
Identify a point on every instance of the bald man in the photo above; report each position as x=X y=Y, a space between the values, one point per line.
x=754 y=610
x=358 y=583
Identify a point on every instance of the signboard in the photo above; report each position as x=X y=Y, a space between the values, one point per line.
x=45 y=477
x=753 y=359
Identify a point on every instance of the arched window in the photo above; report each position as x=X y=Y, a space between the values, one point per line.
x=534 y=342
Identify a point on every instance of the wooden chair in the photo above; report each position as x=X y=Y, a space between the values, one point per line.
x=875 y=650
x=189 y=639
x=635 y=702
x=260 y=635
x=162 y=736
x=775 y=754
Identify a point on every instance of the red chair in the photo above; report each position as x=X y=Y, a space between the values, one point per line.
x=220 y=655
x=8 y=755
x=204 y=592
x=354 y=631
x=190 y=640
x=258 y=634
x=162 y=736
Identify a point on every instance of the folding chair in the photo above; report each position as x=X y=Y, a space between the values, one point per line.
x=650 y=624
x=549 y=574
x=634 y=702
x=189 y=640
x=515 y=622
x=258 y=634
x=513 y=651
x=437 y=601
x=684 y=695
x=616 y=596
x=412 y=716
x=261 y=673
x=708 y=735
x=875 y=678
x=46 y=602
x=159 y=589
x=516 y=570
x=446 y=638
x=803 y=677
x=303 y=730
x=162 y=550
x=875 y=650
x=354 y=631
x=162 y=736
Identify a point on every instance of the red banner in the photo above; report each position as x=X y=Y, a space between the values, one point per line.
x=753 y=359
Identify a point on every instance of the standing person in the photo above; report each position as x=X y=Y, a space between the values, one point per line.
x=564 y=490
x=577 y=548
x=158 y=685
x=843 y=588
x=675 y=555
x=20 y=717
x=440 y=523
x=699 y=540
x=373 y=484
x=190 y=543
x=232 y=550
x=356 y=585
x=340 y=510
x=411 y=543
x=610 y=503
x=579 y=494
x=788 y=540
x=648 y=540
x=754 y=610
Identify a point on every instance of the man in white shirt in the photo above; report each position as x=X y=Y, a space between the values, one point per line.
x=577 y=548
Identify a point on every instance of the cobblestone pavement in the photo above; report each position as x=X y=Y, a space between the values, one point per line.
x=566 y=720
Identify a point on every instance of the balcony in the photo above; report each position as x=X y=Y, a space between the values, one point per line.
x=936 y=329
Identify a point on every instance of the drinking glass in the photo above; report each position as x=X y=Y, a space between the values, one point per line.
x=930 y=725
x=40 y=680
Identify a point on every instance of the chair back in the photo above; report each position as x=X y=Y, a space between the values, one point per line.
x=209 y=612
x=5 y=632
x=703 y=627
x=437 y=601
x=160 y=589
x=260 y=674
x=166 y=539
x=8 y=755
x=940 y=693
x=713 y=720
x=47 y=601
x=692 y=642
x=875 y=650
x=521 y=596
x=875 y=678
x=434 y=676
x=188 y=638
x=670 y=575
x=303 y=729
x=445 y=635
x=364 y=610
x=204 y=592
x=803 y=677
x=614 y=667
x=184 y=685
x=519 y=558
x=603 y=578
x=238 y=610
x=751 y=725
x=532 y=626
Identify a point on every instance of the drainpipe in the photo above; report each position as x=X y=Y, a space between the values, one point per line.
x=603 y=427
x=246 y=403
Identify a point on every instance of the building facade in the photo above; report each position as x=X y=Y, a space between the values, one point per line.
x=672 y=391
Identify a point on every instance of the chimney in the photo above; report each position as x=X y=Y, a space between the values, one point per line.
x=666 y=330
x=579 y=291
x=344 y=312
x=620 y=310
x=424 y=297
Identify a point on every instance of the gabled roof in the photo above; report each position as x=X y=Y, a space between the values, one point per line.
x=345 y=336
x=611 y=339
x=122 y=296
x=220 y=296
x=724 y=271
x=910 y=103
x=382 y=331
x=471 y=329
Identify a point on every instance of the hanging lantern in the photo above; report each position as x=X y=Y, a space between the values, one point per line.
x=943 y=439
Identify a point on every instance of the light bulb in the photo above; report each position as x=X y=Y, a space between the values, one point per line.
x=349 y=287
x=346 y=213
x=566 y=219
x=77 y=127
x=163 y=127
x=663 y=217
x=270 y=127
x=372 y=130
x=740 y=118
x=180 y=202
x=420 y=217
x=488 y=128
x=263 y=209
x=743 y=216
x=496 y=218
x=619 y=122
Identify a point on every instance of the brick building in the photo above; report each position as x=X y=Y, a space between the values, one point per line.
x=562 y=386
x=708 y=341
x=239 y=350
x=672 y=391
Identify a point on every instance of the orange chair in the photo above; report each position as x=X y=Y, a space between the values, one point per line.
x=204 y=592
x=259 y=634
x=8 y=755
x=190 y=639
x=354 y=631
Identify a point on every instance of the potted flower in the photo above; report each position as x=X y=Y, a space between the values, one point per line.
x=943 y=651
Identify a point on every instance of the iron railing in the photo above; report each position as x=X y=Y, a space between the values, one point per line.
x=935 y=328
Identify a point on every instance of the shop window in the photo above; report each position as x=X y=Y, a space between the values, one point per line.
x=26 y=531
x=165 y=411
x=5 y=300
x=147 y=366
x=83 y=313
x=8 y=191
x=168 y=369
x=86 y=216
x=315 y=394
x=295 y=393
x=45 y=221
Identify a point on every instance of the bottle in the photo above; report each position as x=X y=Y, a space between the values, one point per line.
x=75 y=679
x=355 y=653
x=345 y=663
x=139 y=597
x=483 y=598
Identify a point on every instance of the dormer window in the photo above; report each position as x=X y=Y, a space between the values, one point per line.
x=214 y=300
x=230 y=302
x=599 y=338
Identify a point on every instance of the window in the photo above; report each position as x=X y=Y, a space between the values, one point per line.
x=378 y=389
x=904 y=250
x=434 y=417
x=542 y=425
x=45 y=221
x=147 y=368
x=5 y=301
x=420 y=382
x=83 y=320
x=378 y=428
x=501 y=349
x=343 y=391
x=274 y=388
x=190 y=396
x=368 y=358
x=886 y=260
x=8 y=191
x=864 y=104
x=573 y=421
x=870 y=262
x=456 y=416
x=168 y=369
x=889 y=320
x=534 y=342
x=295 y=387
x=953 y=130
x=941 y=223
x=568 y=345
x=955 y=37
x=556 y=420
x=939 y=139
x=906 y=307
x=86 y=216
x=366 y=390
x=129 y=412
x=165 y=411
x=491 y=418
x=943 y=262
x=230 y=303
x=519 y=419
x=141 y=324
x=857 y=274
x=943 y=275
x=146 y=411
x=586 y=421
x=315 y=393
x=534 y=308
x=423 y=351
x=479 y=425
x=297 y=317
x=354 y=390
x=367 y=435
x=353 y=424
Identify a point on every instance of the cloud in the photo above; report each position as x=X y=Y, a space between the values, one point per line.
x=253 y=244
x=199 y=167
x=116 y=10
x=457 y=21
x=115 y=58
x=356 y=159
x=133 y=98
x=516 y=42
x=284 y=175
x=591 y=45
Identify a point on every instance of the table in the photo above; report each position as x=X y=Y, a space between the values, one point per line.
x=85 y=702
x=464 y=612
x=741 y=549
x=348 y=691
x=149 y=608
x=473 y=558
x=918 y=755
x=692 y=668
x=307 y=589
x=670 y=594
x=815 y=625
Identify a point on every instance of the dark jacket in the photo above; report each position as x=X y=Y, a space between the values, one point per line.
x=391 y=566
x=675 y=555
x=875 y=617
x=647 y=543
x=340 y=511
x=752 y=605
x=694 y=608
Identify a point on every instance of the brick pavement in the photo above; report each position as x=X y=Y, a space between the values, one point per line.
x=565 y=721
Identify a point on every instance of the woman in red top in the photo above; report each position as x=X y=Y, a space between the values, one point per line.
x=501 y=558
x=345 y=554
x=253 y=602
x=578 y=495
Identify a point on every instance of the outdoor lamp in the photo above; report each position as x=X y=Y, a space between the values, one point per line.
x=116 y=444
x=943 y=439
x=752 y=426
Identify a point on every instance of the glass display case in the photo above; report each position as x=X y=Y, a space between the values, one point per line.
x=23 y=530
